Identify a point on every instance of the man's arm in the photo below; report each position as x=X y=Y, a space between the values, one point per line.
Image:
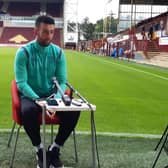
x=20 y=68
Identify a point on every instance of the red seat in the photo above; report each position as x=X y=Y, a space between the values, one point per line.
x=16 y=108
x=17 y=119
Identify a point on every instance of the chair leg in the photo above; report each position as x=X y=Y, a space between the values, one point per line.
x=52 y=133
x=11 y=134
x=75 y=146
x=14 y=150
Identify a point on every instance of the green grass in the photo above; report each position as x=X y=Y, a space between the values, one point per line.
x=114 y=152
x=128 y=98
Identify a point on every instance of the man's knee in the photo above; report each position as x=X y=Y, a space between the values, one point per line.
x=76 y=114
x=28 y=113
x=69 y=117
x=29 y=110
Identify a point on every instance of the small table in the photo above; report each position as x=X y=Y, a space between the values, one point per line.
x=76 y=105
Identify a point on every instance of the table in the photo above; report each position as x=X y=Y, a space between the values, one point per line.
x=76 y=105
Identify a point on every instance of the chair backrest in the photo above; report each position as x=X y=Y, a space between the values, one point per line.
x=16 y=107
x=15 y=103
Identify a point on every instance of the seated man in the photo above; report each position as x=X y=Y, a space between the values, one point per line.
x=35 y=65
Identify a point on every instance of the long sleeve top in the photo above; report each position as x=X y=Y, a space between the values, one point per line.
x=34 y=71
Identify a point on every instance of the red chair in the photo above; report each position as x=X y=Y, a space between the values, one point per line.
x=17 y=120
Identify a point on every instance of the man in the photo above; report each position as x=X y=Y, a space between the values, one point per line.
x=35 y=65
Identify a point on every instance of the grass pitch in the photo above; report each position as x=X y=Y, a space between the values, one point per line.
x=129 y=97
x=114 y=152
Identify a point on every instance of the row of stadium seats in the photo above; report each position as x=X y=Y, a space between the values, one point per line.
x=1 y=3
x=21 y=35
x=31 y=8
x=16 y=35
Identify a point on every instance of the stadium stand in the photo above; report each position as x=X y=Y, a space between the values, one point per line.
x=152 y=46
x=1 y=3
x=25 y=35
x=4 y=7
x=21 y=35
x=17 y=20
x=57 y=37
x=1 y=23
x=55 y=10
x=23 y=8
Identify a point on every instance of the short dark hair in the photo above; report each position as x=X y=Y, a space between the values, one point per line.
x=44 y=19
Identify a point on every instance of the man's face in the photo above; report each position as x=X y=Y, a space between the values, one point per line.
x=45 y=33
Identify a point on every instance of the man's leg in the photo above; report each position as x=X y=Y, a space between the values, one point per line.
x=67 y=125
x=29 y=114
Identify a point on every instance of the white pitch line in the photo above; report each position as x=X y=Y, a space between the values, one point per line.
x=111 y=134
x=121 y=134
x=138 y=70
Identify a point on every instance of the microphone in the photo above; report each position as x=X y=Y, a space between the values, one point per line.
x=65 y=98
x=76 y=92
x=79 y=95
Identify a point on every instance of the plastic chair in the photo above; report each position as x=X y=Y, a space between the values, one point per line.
x=17 y=120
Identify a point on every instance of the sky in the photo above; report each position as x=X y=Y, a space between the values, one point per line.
x=96 y=9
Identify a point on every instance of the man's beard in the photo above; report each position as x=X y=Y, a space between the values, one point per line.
x=43 y=43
